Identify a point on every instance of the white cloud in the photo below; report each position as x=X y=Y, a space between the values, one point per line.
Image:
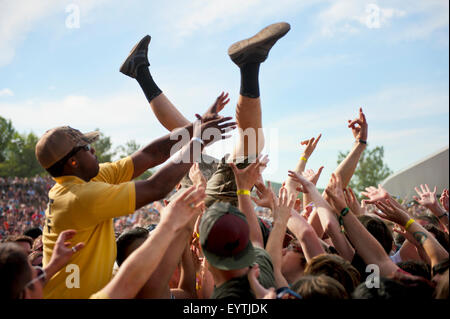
x=213 y=16
x=120 y=116
x=414 y=20
x=350 y=15
x=18 y=18
x=6 y=92
x=402 y=119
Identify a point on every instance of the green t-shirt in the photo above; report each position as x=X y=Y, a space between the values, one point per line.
x=240 y=287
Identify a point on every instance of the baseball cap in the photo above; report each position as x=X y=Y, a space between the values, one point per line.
x=58 y=142
x=225 y=237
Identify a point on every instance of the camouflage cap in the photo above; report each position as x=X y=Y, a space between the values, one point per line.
x=208 y=165
x=225 y=237
x=58 y=142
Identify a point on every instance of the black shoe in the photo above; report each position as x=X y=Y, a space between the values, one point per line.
x=136 y=58
x=256 y=49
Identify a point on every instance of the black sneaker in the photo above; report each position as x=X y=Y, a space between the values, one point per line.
x=256 y=49
x=136 y=58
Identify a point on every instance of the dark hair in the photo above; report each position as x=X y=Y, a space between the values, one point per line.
x=19 y=238
x=320 y=287
x=15 y=271
x=126 y=239
x=378 y=229
x=399 y=239
x=388 y=289
x=440 y=236
x=336 y=267
x=416 y=268
x=433 y=220
x=34 y=232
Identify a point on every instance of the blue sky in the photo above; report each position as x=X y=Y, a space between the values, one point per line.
x=390 y=57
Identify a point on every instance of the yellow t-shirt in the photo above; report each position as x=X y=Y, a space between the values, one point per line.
x=87 y=207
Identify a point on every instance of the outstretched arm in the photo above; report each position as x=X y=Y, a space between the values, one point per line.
x=245 y=179
x=365 y=244
x=138 y=267
x=281 y=214
x=158 y=151
x=428 y=199
x=311 y=144
x=163 y=181
x=306 y=236
x=347 y=167
x=327 y=218
x=61 y=253
x=186 y=286
x=434 y=250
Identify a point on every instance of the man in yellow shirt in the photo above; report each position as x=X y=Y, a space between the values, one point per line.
x=87 y=196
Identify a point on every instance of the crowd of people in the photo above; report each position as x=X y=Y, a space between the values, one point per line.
x=22 y=204
x=198 y=229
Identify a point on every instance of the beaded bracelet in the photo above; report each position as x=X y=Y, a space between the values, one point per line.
x=341 y=219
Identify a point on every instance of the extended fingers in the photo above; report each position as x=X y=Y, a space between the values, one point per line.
x=186 y=193
x=66 y=234
x=317 y=139
x=196 y=196
x=79 y=246
x=355 y=121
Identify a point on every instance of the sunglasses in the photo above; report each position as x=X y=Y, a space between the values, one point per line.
x=40 y=276
x=75 y=150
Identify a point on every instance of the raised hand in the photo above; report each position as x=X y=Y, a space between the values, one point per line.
x=310 y=145
x=408 y=236
x=335 y=193
x=266 y=196
x=247 y=177
x=311 y=176
x=444 y=199
x=375 y=194
x=184 y=208
x=427 y=197
x=258 y=290
x=213 y=126
x=306 y=184
x=353 y=203
x=284 y=206
x=217 y=106
x=196 y=175
x=63 y=251
x=391 y=212
x=359 y=126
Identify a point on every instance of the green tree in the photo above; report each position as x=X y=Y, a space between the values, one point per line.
x=20 y=158
x=128 y=149
x=371 y=169
x=6 y=134
x=103 y=148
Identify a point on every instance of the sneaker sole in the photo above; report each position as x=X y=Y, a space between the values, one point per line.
x=125 y=64
x=269 y=33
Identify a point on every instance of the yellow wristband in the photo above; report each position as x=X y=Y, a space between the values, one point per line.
x=409 y=223
x=304 y=158
x=243 y=192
